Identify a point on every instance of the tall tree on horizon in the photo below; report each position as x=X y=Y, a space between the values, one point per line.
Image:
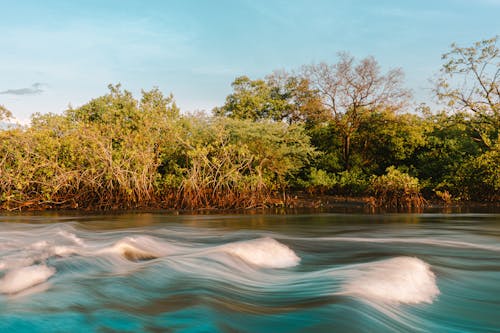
x=351 y=89
x=280 y=97
x=470 y=82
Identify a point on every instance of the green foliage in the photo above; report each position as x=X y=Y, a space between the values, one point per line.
x=470 y=82
x=386 y=138
x=280 y=97
x=4 y=113
x=396 y=189
x=250 y=100
x=326 y=139
x=335 y=128
x=116 y=151
x=240 y=163
x=101 y=155
x=319 y=181
x=352 y=182
x=479 y=178
x=449 y=144
x=350 y=90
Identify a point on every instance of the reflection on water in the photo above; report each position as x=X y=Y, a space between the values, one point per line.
x=151 y=272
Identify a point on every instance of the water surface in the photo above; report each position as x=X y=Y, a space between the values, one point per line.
x=250 y=273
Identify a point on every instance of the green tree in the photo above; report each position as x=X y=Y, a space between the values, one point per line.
x=350 y=90
x=387 y=138
x=299 y=103
x=279 y=97
x=240 y=163
x=447 y=148
x=251 y=99
x=4 y=113
x=479 y=178
x=470 y=83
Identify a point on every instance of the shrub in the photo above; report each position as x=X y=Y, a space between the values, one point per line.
x=352 y=182
x=444 y=196
x=319 y=181
x=479 y=178
x=240 y=163
x=396 y=189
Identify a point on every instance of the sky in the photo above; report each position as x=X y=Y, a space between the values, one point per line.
x=55 y=53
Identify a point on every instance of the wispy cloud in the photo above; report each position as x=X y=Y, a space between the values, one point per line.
x=36 y=88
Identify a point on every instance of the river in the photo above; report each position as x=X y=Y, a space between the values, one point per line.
x=328 y=272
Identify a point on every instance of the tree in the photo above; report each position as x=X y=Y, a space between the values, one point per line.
x=251 y=99
x=240 y=162
x=279 y=97
x=386 y=138
x=299 y=102
x=4 y=113
x=349 y=90
x=447 y=149
x=470 y=83
x=134 y=140
x=118 y=109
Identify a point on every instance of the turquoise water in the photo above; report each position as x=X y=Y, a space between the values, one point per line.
x=250 y=273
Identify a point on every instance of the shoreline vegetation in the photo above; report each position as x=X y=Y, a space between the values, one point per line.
x=318 y=136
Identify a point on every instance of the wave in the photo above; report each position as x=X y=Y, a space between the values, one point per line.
x=420 y=241
x=72 y=237
x=281 y=277
x=20 y=279
x=15 y=262
x=263 y=252
x=405 y=280
x=137 y=248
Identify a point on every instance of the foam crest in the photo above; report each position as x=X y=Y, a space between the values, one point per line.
x=404 y=280
x=72 y=237
x=263 y=252
x=63 y=251
x=10 y=263
x=137 y=248
x=20 y=279
x=40 y=245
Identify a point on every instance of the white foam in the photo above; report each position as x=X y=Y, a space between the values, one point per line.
x=263 y=252
x=63 y=251
x=20 y=279
x=72 y=237
x=11 y=263
x=405 y=280
x=137 y=248
x=40 y=245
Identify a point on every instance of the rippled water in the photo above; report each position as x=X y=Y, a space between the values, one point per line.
x=250 y=273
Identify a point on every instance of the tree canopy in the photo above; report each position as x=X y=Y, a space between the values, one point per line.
x=470 y=82
x=350 y=90
x=344 y=128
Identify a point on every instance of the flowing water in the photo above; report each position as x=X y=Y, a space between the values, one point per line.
x=250 y=273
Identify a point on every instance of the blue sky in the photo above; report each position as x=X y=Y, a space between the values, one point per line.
x=54 y=53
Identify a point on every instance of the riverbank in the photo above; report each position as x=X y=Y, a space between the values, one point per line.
x=297 y=202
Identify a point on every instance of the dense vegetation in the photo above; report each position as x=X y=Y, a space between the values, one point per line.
x=342 y=128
